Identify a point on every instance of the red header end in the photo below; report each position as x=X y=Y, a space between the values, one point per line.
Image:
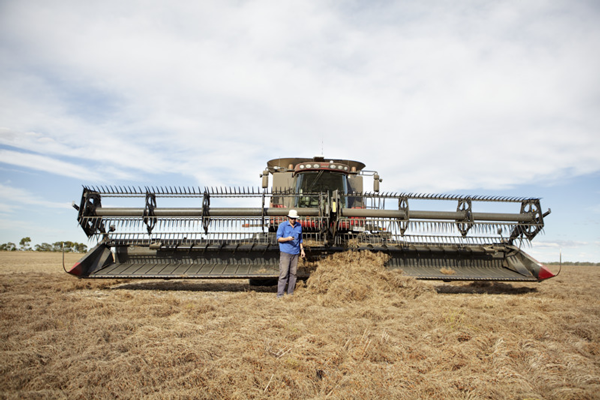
x=544 y=273
x=76 y=270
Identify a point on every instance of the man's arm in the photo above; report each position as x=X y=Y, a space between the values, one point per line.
x=301 y=244
x=280 y=231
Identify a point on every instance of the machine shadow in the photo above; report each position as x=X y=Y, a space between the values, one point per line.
x=242 y=285
x=484 y=288
x=210 y=286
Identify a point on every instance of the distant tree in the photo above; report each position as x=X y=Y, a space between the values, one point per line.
x=574 y=263
x=25 y=244
x=43 y=247
x=10 y=246
x=80 y=248
x=69 y=247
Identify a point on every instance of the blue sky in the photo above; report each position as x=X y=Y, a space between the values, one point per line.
x=471 y=97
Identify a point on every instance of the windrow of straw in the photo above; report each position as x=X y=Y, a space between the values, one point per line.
x=360 y=276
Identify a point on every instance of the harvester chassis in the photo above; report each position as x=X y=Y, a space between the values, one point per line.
x=210 y=242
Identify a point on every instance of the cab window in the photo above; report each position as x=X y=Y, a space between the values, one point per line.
x=317 y=182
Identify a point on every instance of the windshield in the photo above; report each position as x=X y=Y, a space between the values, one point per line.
x=319 y=181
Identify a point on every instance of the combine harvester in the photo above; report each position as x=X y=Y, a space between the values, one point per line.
x=162 y=239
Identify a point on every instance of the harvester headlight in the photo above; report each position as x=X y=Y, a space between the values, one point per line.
x=301 y=166
x=316 y=165
x=345 y=168
x=340 y=167
x=333 y=166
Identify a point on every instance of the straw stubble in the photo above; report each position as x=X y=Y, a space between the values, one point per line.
x=354 y=330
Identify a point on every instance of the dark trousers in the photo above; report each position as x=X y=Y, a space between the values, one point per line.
x=288 y=265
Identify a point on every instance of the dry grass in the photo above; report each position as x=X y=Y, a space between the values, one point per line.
x=447 y=271
x=354 y=331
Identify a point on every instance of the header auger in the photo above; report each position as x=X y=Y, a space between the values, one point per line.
x=193 y=232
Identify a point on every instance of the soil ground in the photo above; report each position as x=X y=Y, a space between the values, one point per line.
x=354 y=331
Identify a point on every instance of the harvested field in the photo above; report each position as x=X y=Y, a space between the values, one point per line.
x=353 y=331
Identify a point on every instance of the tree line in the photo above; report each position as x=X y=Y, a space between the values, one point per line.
x=577 y=263
x=25 y=245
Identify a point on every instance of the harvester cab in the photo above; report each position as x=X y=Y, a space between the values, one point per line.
x=450 y=238
x=316 y=175
x=315 y=184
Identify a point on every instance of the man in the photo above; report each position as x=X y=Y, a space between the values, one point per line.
x=289 y=236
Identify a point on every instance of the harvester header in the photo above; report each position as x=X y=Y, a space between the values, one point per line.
x=428 y=236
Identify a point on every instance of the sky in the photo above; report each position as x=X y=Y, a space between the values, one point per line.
x=468 y=97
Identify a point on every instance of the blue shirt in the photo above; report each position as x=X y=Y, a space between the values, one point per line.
x=286 y=230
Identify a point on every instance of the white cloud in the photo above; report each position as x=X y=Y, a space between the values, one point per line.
x=452 y=97
x=8 y=208
x=560 y=244
x=435 y=96
x=12 y=198
x=46 y=164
